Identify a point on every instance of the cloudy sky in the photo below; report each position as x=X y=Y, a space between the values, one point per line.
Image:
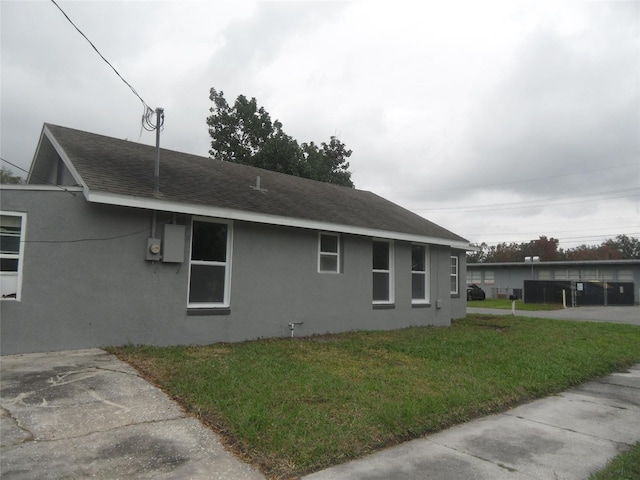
x=501 y=121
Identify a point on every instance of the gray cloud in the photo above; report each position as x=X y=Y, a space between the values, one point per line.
x=569 y=105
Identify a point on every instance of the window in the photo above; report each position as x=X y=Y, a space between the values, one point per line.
x=489 y=277
x=544 y=274
x=382 y=272
x=625 y=275
x=210 y=264
x=474 y=276
x=574 y=274
x=454 y=275
x=590 y=275
x=419 y=276
x=561 y=274
x=328 y=253
x=12 y=227
x=606 y=275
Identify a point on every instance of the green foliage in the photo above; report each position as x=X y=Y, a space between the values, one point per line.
x=244 y=133
x=625 y=466
x=297 y=405
x=8 y=178
x=622 y=247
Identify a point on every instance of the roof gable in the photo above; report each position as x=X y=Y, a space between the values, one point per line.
x=122 y=172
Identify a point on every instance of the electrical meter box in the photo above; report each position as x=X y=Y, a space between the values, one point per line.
x=173 y=243
x=154 y=246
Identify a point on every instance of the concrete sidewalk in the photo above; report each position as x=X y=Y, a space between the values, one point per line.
x=85 y=414
x=565 y=437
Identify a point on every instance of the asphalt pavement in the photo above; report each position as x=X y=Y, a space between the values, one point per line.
x=86 y=414
x=611 y=314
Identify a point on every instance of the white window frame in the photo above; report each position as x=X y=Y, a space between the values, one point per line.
x=389 y=272
x=426 y=297
x=322 y=254
x=454 y=276
x=227 y=264
x=6 y=277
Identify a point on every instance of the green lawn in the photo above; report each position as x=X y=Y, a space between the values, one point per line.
x=292 y=406
x=623 y=467
x=506 y=304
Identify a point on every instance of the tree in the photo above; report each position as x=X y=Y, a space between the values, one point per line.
x=244 y=133
x=628 y=247
x=504 y=252
x=478 y=256
x=8 y=178
x=328 y=164
x=545 y=248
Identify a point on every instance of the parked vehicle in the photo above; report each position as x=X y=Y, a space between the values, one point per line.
x=474 y=292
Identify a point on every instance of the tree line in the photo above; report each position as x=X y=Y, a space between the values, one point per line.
x=621 y=248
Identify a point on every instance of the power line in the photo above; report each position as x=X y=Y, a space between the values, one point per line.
x=531 y=203
x=82 y=240
x=101 y=56
x=147 y=115
x=99 y=239
x=502 y=234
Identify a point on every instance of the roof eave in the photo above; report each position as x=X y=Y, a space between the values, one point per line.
x=244 y=215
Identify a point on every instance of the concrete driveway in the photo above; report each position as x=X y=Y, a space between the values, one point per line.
x=85 y=414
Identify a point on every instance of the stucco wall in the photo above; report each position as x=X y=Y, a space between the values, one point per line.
x=286 y=286
x=86 y=282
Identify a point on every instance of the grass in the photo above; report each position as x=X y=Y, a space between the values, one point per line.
x=293 y=406
x=624 y=467
x=506 y=304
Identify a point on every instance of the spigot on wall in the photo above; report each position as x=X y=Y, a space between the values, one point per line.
x=292 y=326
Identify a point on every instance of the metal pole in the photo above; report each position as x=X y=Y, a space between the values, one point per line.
x=159 y=115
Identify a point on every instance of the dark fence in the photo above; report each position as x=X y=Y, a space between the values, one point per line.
x=579 y=293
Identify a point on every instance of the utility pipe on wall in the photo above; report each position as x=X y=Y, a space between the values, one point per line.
x=159 y=121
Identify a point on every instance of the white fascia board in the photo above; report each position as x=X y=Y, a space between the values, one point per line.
x=40 y=188
x=243 y=215
x=65 y=159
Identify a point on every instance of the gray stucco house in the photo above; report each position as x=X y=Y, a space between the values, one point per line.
x=93 y=255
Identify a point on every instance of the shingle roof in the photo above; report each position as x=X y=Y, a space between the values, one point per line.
x=121 y=167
